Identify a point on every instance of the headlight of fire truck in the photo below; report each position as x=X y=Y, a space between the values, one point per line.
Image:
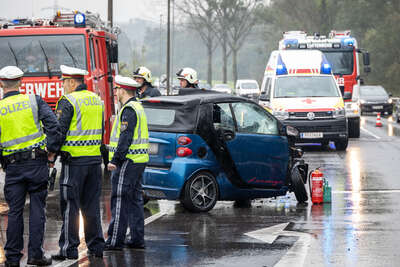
x=281 y=114
x=339 y=113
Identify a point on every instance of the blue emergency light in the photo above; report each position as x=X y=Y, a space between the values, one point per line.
x=281 y=67
x=348 y=42
x=15 y=21
x=79 y=20
x=326 y=68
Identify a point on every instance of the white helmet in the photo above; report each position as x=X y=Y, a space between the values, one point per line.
x=143 y=72
x=188 y=74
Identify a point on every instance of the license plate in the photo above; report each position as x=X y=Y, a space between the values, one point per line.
x=377 y=107
x=153 y=149
x=311 y=135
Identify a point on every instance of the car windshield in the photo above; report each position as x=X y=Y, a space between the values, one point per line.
x=39 y=55
x=306 y=86
x=372 y=91
x=341 y=61
x=249 y=86
x=221 y=86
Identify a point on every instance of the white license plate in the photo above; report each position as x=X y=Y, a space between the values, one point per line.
x=153 y=149
x=377 y=107
x=311 y=135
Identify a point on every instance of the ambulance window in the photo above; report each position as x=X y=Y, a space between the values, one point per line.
x=92 y=56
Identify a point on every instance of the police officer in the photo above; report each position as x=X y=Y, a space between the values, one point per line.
x=188 y=78
x=25 y=121
x=80 y=113
x=129 y=145
x=143 y=76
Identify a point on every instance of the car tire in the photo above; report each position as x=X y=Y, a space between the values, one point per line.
x=354 y=128
x=341 y=145
x=298 y=186
x=200 y=192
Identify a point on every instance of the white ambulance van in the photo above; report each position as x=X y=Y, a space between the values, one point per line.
x=299 y=89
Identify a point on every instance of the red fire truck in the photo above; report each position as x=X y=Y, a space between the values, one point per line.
x=342 y=52
x=75 y=39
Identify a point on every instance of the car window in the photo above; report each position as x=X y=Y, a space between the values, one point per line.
x=252 y=118
x=161 y=117
x=222 y=117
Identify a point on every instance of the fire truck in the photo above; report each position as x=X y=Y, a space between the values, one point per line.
x=342 y=52
x=40 y=46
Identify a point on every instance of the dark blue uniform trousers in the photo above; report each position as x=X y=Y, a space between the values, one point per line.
x=127 y=205
x=21 y=179
x=80 y=189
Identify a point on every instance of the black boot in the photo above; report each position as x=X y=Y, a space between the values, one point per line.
x=44 y=261
x=11 y=264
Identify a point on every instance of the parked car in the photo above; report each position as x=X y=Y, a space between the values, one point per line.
x=211 y=146
x=374 y=98
x=222 y=88
x=247 y=88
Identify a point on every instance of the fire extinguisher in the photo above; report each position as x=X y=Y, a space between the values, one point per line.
x=316 y=183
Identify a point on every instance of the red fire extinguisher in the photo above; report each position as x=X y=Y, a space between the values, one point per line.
x=317 y=183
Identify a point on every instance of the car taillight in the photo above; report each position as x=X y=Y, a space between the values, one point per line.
x=183 y=152
x=184 y=140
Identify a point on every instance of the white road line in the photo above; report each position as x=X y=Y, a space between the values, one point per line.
x=368 y=132
x=154 y=217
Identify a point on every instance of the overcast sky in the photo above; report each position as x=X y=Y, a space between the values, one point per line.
x=123 y=9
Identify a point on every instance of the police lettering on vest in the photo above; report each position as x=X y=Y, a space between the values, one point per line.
x=19 y=106
x=87 y=101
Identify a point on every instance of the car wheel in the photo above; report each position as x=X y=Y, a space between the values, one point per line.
x=354 y=129
x=341 y=145
x=298 y=186
x=200 y=193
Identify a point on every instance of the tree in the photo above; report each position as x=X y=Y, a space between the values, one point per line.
x=202 y=19
x=236 y=20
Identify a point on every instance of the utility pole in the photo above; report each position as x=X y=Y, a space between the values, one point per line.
x=110 y=13
x=161 y=72
x=168 y=46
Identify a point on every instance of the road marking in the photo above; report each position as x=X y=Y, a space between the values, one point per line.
x=164 y=210
x=296 y=255
x=368 y=191
x=368 y=132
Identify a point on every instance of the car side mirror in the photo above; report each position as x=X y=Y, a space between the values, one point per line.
x=365 y=58
x=390 y=94
x=347 y=96
x=226 y=133
x=264 y=97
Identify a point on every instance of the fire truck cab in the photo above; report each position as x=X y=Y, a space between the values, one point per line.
x=342 y=52
x=81 y=40
x=299 y=89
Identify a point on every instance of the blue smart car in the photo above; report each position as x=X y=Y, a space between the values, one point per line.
x=207 y=146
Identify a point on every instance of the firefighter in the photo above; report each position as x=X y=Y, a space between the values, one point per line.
x=80 y=113
x=29 y=128
x=188 y=78
x=143 y=76
x=129 y=143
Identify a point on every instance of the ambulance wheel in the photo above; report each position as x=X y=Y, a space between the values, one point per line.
x=341 y=145
x=298 y=186
x=200 y=193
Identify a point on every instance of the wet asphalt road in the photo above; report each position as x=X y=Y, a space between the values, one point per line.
x=360 y=228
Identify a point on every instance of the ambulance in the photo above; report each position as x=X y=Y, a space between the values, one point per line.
x=300 y=90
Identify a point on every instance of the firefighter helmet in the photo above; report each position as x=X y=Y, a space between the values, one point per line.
x=143 y=72
x=188 y=74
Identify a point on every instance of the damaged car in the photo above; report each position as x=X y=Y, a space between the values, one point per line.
x=207 y=146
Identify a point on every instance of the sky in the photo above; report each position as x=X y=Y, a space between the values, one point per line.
x=124 y=10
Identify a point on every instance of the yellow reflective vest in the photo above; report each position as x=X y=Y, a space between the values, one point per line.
x=85 y=130
x=138 y=150
x=20 y=128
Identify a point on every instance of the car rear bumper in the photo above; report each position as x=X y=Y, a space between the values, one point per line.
x=377 y=107
x=331 y=130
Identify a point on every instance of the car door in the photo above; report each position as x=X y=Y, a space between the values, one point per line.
x=259 y=153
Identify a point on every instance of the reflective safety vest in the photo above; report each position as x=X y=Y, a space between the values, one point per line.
x=85 y=130
x=138 y=150
x=20 y=128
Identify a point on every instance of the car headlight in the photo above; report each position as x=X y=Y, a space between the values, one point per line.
x=281 y=115
x=339 y=113
x=362 y=101
x=390 y=101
